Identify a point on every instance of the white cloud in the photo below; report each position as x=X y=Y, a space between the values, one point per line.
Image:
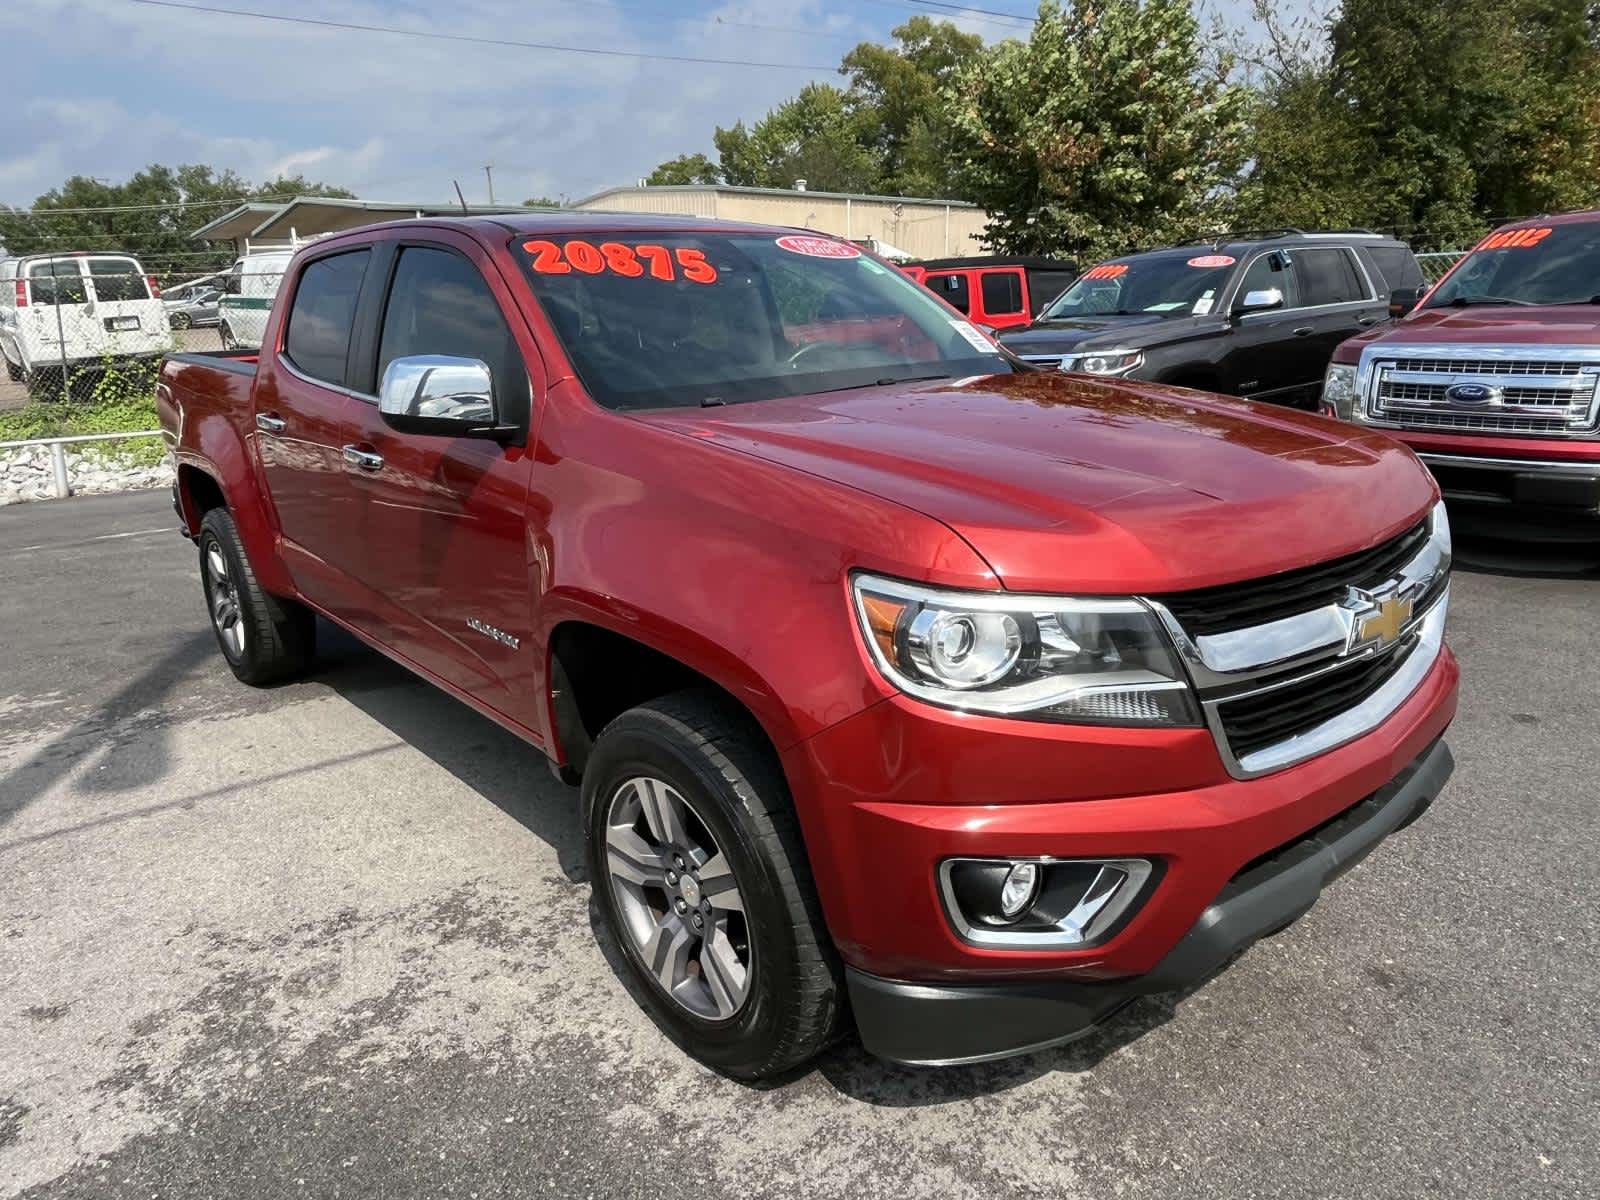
x=396 y=117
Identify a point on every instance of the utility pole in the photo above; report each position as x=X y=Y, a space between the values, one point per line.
x=488 y=173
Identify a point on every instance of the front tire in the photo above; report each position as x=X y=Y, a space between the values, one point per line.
x=701 y=876
x=229 y=342
x=264 y=638
x=13 y=370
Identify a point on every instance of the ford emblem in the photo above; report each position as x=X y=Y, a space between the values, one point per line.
x=1471 y=395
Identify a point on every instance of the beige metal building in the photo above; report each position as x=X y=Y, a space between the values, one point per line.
x=901 y=224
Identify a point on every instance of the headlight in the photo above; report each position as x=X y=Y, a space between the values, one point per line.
x=1051 y=658
x=1339 y=392
x=1110 y=362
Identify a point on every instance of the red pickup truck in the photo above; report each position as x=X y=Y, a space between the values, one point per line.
x=1494 y=380
x=900 y=678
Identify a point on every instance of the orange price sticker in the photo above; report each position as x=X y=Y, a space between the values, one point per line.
x=1515 y=239
x=1107 y=271
x=616 y=258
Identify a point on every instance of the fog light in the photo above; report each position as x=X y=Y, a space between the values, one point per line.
x=1022 y=882
x=1041 y=903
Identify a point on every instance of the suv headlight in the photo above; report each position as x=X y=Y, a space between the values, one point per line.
x=1099 y=661
x=1109 y=362
x=1339 y=392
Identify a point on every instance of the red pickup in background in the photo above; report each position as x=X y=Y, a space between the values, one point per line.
x=1493 y=377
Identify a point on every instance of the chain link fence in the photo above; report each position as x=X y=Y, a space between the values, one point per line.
x=90 y=329
x=1435 y=263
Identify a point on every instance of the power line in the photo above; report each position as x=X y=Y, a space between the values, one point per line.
x=1006 y=20
x=968 y=10
x=113 y=208
x=352 y=26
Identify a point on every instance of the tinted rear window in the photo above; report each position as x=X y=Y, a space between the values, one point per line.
x=318 y=339
x=58 y=281
x=118 y=279
x=952 y=289
x=1002 y=292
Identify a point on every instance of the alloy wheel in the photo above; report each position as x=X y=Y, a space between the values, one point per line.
x=677 y=898
x=224 y=601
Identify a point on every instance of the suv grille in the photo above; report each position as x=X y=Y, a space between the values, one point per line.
x=1533 y=397
x=1257 y=601
x=1267 y=718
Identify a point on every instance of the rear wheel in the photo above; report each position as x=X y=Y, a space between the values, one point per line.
x=181 y=320
x=13 y=370
x=699 y=871
x=229 y=342
x=265 y=638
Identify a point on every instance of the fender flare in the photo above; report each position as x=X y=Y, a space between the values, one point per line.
x=219 y=453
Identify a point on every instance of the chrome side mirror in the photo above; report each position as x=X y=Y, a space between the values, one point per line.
x=1263 y=300
x=439 y=395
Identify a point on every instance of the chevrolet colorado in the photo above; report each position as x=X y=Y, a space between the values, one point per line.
x=1494 y=380
x=901 y=680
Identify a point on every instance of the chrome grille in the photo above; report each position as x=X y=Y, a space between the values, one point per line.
x=1047 y=361
x=1554 y=395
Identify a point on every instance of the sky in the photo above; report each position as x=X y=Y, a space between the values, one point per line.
x=104 y=87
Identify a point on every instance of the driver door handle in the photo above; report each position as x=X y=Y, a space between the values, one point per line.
x=1366 y=321
x=365 y=459
x=269 y=424
x=1304 y=331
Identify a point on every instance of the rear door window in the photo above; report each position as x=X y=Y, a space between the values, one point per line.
x=1328 y=277
x=952 y=289
x=1002 y=292
x=58 y=281
x=1398 y=266
x=320 y=322
x=118 y=279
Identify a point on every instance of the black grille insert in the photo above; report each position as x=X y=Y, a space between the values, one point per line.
x=1257 y=601
x=1256 y=722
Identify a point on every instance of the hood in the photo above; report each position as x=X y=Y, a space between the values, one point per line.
x=1071 y=333
x=1069 y=483
x=1491 y=325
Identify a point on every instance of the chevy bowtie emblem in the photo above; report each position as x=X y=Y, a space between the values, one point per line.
x=1378 y=618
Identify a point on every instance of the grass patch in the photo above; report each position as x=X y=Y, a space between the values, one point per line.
x=116 y=401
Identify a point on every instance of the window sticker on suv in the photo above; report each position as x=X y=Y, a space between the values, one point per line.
x=1213 y=260
x=1107 y=271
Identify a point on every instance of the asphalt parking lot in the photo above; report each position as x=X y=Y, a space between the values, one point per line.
x=335 y=939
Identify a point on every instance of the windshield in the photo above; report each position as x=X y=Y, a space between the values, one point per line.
x=674 y=319
x=1550 y=264
x=1172 y=284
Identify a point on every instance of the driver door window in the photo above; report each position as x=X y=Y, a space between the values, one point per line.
x=1263 y=275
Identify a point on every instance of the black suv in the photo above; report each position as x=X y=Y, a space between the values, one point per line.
x=1251 y=314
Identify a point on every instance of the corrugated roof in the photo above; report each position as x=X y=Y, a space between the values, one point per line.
x=730 y=189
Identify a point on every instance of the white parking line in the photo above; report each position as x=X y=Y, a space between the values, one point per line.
x=104 y=537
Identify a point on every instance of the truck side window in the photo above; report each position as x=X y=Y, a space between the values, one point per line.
x=1002 y=292
x=1398 y=266
x=952 y=289
x=1328 y=277
x=318 y=339
x=1261 y=276
x=439 y=304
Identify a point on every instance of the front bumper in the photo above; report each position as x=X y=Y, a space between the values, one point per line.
x=933 y=1024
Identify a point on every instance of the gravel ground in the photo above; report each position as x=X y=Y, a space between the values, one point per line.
x=334 y=939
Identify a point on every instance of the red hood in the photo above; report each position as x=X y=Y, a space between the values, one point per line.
x=1509 y=324
x=1067 y=483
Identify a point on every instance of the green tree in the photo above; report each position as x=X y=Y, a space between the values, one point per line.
x=686 y=168
x=818 y=136
x=895 y=91
x=151 y=215
x=1434 y=118
x=1109 y=128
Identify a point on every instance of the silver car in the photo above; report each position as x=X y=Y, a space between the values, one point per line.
x=192 y=308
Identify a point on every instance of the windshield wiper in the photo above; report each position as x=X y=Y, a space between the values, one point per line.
x=1469 y=301
x=853 y=387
